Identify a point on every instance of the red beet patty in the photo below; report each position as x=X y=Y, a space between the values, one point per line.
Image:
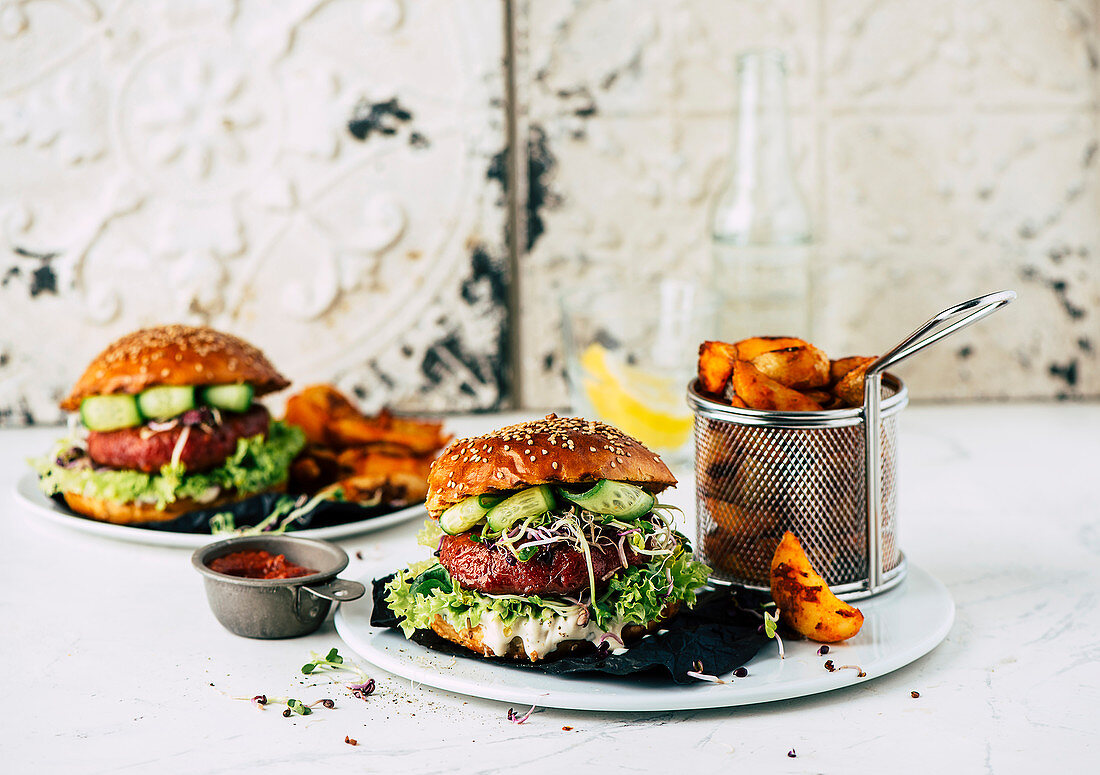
x=207 y=446
x=554 y=570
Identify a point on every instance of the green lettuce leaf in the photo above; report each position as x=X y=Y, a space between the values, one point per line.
x=635 y=596
x=257 y=465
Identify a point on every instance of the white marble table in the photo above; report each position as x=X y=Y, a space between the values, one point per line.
x=113 y=663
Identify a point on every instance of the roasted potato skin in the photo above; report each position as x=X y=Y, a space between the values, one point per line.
x=780 y=373
x=799 y=368
x=805 y=602
x=761 y=392
x=841 y=366
x=716 y=361
x=850 y=388
x=747 y=349
x=370 y=459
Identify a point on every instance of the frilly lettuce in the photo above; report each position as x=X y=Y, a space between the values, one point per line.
x=257 y=465
x=634 y=596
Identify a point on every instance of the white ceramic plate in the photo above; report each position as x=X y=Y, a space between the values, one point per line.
x=40 y=506
x=900 y=626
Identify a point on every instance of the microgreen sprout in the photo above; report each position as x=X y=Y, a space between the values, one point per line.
x=698 y=673
x=515 y=718
x=284 y=513
x=771 y=626
x=332 y=662
x=293 y=706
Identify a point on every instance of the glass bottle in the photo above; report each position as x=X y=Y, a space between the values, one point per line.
x=760 y=225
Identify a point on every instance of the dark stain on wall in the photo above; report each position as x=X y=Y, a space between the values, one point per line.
x=40 y=277
x=498 y=171
x=384 y=118
x=965 y=352
x=1067 y=372
x=540 y=169
x=487 y=288
x=1060 y=288
x=20 y=414
x=436 y=371
x=484 y=292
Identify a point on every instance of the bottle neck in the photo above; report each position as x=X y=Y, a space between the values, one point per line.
x=760 y=203
x=762 y=156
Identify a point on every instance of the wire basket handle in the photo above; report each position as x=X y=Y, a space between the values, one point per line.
x=944 y=324
x=939 y=326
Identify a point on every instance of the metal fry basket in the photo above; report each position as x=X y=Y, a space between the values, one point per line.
x=830 y=477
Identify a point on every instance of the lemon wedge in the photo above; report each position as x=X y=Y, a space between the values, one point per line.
x=648 y=406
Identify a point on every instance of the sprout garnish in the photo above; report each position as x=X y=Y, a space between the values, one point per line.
x=515 y=718
x=331 y=662
x=285 y=512
x=771 y=623
x=652 y=536
x=698 y=673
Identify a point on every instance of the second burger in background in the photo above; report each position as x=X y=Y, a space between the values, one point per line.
x=170 y=425
x=549 y=539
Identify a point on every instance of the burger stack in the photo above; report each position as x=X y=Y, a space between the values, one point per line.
x=548 y=539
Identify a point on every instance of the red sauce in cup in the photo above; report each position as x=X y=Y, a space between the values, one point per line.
x=258 y=565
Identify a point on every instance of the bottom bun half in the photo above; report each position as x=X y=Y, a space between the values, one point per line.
x=132 y=512
x=474 y=638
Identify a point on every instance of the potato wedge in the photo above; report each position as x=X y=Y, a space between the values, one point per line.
x=716 y=361
x=747 y=349
x=805 y=602
x=801 y=368
x=841 y=366
x=745 y=559
x=733 y=399
x=850 y=388
x=823 y=397
x=761 y=392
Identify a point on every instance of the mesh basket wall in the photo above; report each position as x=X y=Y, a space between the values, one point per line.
x=755 y=482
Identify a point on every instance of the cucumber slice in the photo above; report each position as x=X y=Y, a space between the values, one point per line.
x=526 y=503
x=615 y=499
x=465 y=514
x=109 y=413
x=160 y=403
x=232 y=398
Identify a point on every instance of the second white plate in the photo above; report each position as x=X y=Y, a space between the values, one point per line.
x=900 y=626
x=39 y=505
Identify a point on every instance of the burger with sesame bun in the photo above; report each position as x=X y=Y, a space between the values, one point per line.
x=169 y=424
x=548 y=540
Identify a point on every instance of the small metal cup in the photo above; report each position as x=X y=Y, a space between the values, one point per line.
x=276 y=608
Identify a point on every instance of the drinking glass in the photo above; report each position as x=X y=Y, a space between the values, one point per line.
x=630 y=352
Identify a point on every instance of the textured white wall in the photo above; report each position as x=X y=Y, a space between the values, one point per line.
x=325 y=177
x=314 y=176
x=948 y=149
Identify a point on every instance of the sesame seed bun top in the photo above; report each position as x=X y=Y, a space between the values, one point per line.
x=554 y=450
x=174 y=355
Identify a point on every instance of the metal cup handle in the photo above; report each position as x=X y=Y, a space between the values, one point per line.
x=337 y=590
x=936 y=328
